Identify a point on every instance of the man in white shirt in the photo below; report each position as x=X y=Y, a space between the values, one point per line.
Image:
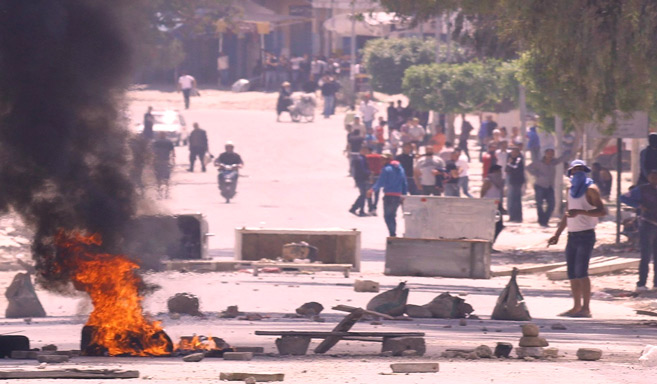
x=416 y=132
x=368 y=112
x=464 y=178
x=185 y=84
x=502 y=155
x=424 y=174
x=223 y=65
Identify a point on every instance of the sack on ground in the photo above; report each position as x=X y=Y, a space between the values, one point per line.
x=511 y=305
x=391 y=302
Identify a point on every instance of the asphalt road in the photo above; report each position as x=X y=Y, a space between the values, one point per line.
x=295 y=176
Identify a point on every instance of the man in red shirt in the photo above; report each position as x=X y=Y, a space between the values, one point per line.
x=488 y=159
x=376 y=162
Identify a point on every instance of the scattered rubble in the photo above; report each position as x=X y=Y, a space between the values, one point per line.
x=292 y=345
x=231 y=312
x=258 y=377
x=238 y=356
x=531 y=344
x=484 y=352
x=391 y=302
x=23 y=300
x=194 y=357
x=366 y=286
x=310 y=309
x=398 y=345
x=52 y=359
x=534 y=352
x=551 y=353
x=558 y=327
x=589 y=354
x=503 y=349
x=185 y=304
x=510 y=304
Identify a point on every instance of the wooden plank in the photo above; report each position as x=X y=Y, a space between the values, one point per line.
x=539 y=268
x=343 y=326
x=70 y=374
x=321 y=335
x=348 y=308
x=600 y=268
x=259 y=377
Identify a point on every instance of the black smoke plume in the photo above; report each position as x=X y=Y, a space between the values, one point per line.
x=64 y=66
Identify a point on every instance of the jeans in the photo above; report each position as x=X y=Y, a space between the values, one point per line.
x=428 y=190
x=186 y=92
x=270 y=80
x=374 y=200
x=464 y=185
x=452 y=189
x=193 y=154
x=578 y=253
x=359 y=204
x=648 y=242
x=390 y=205
x=329 y=105
x=547 y=195
x=514 y=203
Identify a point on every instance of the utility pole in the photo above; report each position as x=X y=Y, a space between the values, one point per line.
x=352 y=73
x=558 y=182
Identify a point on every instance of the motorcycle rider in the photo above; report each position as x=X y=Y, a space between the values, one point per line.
x=230 y=157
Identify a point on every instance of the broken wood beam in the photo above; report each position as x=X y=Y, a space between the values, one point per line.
x=348 y=308
x=70 y=374
x=601 y=268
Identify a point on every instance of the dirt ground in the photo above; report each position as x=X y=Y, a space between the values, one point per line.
x=615 y=327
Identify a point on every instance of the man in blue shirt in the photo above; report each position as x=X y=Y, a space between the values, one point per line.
x=394 y=184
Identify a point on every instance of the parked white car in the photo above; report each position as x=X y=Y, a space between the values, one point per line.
x=172 y=123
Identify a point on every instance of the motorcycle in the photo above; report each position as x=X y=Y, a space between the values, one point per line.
x=303 y=106
x=228 y=180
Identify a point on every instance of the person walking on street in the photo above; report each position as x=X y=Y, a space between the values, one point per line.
x=163 y=160
x=149 y=121
x=464 y=177
x=493 y=188
x=368 y=111
x=584 y=208
x=284 y=100
x=416 y=133
x=644 y=197
x=376 y=162
x=466 y=128
x=406 y=159
x=534 y=143
x=393 y=182
x=648 y=158
x=545 y=173
x=362 y=173
x=198 y=146
x=186 y=84
x=424 y=172
x=329 y=88
x=515 y=169
x=452 y=175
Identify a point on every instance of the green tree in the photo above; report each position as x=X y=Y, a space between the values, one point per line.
x=461 y=88
x=387 y=59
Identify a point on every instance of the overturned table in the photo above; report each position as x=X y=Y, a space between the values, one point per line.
x=296 y=342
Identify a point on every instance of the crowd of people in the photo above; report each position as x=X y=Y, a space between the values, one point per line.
x=302 y=72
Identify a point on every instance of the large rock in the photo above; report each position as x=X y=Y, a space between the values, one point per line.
x=535 y=352
x=533 y=342
x=366 y=286
x=397 y=345
x=484 y=352
x=391 y=302
x=194 y=357
x=23 y=300
x=292 y=345
x=589 y=354
x=418 y=311
x=310 y=309
x=530 y=330
x=184 y=303
x=446 y=306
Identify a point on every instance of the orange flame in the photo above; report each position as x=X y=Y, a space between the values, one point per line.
x=196 y=343
x=118 y=322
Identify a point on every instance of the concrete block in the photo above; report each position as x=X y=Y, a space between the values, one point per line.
x=414 y=367
x=194 y=357
x=551 y=352
x=239 y=356
x=254 y=350
x=292 y=345
x=23 y=355
x=535 y=352
x=442 y=258
x=259 y=377
x=52 y=359
x=366 y=286
x=397 y=345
